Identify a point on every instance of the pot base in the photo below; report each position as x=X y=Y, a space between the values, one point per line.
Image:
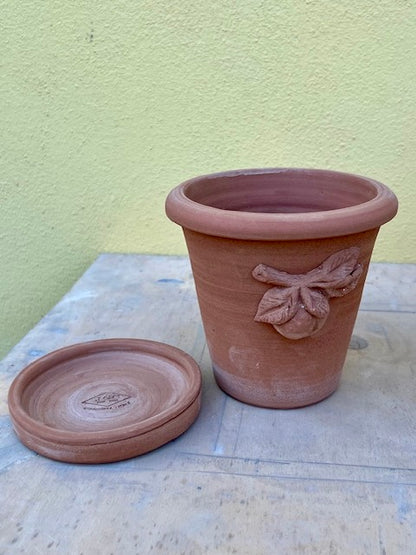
x=278 y=395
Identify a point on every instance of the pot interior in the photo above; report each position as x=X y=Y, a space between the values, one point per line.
x=281 y=191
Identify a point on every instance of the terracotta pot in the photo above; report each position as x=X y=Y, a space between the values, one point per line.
x=279 y=258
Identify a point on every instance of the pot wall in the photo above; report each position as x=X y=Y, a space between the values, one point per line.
x=251 y=360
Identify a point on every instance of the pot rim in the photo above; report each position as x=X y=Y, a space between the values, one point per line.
x=354 y=218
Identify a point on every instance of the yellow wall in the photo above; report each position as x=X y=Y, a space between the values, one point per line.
x=105 y=106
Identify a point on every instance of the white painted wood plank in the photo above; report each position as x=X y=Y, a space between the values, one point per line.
x=338 y=477
x=390 y=287
x=94 y=510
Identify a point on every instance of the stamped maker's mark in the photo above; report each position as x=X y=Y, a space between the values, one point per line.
x=106 y=401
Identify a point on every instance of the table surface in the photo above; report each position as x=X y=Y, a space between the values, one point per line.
x=336 y=477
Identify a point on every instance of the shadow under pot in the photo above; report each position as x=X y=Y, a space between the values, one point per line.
x=279 y=257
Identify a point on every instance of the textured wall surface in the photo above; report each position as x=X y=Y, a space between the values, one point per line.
x=105 y=106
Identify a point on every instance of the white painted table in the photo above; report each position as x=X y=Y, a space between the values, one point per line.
x=336 y=477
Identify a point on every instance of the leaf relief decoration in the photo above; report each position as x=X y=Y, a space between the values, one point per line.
x=298 y=304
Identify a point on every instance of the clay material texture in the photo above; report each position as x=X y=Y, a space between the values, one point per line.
x=307 y=233
x=106 y=400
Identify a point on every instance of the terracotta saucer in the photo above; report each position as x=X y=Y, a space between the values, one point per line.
x=106 y=400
